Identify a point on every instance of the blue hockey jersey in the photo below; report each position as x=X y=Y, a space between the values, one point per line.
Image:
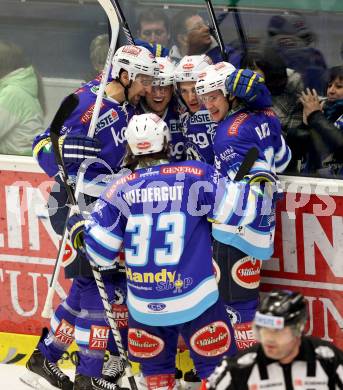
x=235 y=135
x=198 y=130
x=171 y=117
x=159 y=214
x=111 y=124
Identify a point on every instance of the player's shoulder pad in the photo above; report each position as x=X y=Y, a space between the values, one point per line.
x=247 y=359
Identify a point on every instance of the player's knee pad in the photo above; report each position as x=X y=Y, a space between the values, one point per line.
x=91 y=330
x=62 y=326
x=121 y=315
x=241 y=315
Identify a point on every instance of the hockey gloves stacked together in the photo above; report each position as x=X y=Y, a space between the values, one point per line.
x=249 y=86
x=76 y=148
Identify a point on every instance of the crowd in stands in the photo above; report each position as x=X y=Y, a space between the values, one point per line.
x=307 y=95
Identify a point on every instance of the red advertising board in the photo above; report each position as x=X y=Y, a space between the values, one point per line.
x=308 y=254
x=28 y=248
x=308 y=250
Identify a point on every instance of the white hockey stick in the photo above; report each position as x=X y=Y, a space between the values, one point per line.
x=114 y=23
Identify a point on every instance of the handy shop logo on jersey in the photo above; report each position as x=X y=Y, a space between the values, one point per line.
x=106 y=119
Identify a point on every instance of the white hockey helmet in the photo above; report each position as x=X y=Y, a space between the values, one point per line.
x=135 y=60
x=146 y=134
x=166 y=75
x=190 y=67
x=213 y=78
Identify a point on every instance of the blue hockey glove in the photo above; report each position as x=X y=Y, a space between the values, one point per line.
x=76 y=148
x=75 y=226
x=249 y=86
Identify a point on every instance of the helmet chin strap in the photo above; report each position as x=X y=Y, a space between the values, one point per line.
x=230 y=99
x=126 y=88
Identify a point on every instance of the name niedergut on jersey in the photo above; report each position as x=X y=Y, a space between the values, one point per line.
x=154 y=194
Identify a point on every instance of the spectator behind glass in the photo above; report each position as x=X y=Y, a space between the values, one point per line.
x=285 y=86
x=21 y=111
x=291 y=36
x=98 y=51
x=153 y=27
x=325 y=119
x=193 y=37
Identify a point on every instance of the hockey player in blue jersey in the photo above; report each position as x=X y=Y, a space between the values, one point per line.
x=162 y=102
x=196 y=124
x=159 y=214
x=227 y=95
x=81 y=314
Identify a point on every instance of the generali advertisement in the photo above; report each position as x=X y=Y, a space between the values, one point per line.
x=308 y=253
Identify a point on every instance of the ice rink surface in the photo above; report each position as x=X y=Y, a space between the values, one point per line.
x=10 y=374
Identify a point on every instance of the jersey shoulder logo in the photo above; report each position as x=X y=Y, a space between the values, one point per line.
x=238 y=121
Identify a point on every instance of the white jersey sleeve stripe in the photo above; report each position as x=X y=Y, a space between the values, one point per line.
x=98 y=259
x=105 y=238
x=282 y=156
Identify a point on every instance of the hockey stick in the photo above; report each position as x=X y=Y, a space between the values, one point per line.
x=238 y=23
x=112 y=16
x=65 y=110
x=239 y=26
x=216 y=29
x=55 y=134
x=123 y=22
x=247 y=163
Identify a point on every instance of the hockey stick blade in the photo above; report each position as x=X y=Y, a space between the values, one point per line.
x=247 y=163
x=123 y=22
x=218 y=36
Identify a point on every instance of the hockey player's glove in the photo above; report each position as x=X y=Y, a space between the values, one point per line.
x=267 y=181
x=76 y=148
x=249 y=86
x=75 y=226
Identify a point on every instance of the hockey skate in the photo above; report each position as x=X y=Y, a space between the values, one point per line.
x=83 y=382
x=45 y=375
x=113 y=369
x=191 y=380
x=178 y=377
